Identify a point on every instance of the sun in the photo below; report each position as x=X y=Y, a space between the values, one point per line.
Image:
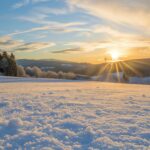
x=114 y=55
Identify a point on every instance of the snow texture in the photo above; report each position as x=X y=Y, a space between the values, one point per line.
x=73 y=115
x=138 y=80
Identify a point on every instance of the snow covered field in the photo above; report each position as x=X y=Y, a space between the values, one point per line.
x=73 y=115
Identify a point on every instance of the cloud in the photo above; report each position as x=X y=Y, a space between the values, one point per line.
x=7 y=43
x=68 y=50
x=141 y=49
x=34 y=46
x=135 y=13
x=43 y=28
x=90 y=46
x=42 y=19
x=47 y=25
x=139 y=52
x=59 y=28
x=117 y=44
x=108 y=32
x=20 y=4
x=26 y=2
x=49 y=10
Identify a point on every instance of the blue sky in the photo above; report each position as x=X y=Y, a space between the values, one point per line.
x=82 y=31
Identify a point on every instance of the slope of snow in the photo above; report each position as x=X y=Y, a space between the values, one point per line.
x=74 y=115
x=118 y=77
x=138 y=80
x=111 y=77
x=5 y=79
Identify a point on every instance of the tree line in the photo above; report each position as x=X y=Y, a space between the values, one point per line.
x=39 y=73
x=9 y=67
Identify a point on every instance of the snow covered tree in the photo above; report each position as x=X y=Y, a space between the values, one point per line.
x=20 y=71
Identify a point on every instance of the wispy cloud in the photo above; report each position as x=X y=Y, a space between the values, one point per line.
x=135 y=13
x=68 y=50
x=89 y=46
x=48 y=10
x=23 y=3
x=64 y=28
x=109 y=44
x=42 y=19
x=34 y=46
x=7 y=43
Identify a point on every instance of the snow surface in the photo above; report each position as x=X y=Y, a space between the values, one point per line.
x=5 y=79
x=138 y=80
x=118 y=77
x=73 y=115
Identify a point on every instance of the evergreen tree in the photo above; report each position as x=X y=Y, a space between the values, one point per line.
x=12 y=56
x=1 y=56
x=8 y=64
x=5 y=55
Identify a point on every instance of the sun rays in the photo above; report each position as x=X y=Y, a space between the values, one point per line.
x=121 y=69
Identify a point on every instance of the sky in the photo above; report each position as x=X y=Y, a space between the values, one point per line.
x=75 y=30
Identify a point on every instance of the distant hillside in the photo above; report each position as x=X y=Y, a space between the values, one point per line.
x=138 y=67
x=56 y=65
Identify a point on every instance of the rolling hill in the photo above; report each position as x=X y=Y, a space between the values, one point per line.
x=136 y=67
